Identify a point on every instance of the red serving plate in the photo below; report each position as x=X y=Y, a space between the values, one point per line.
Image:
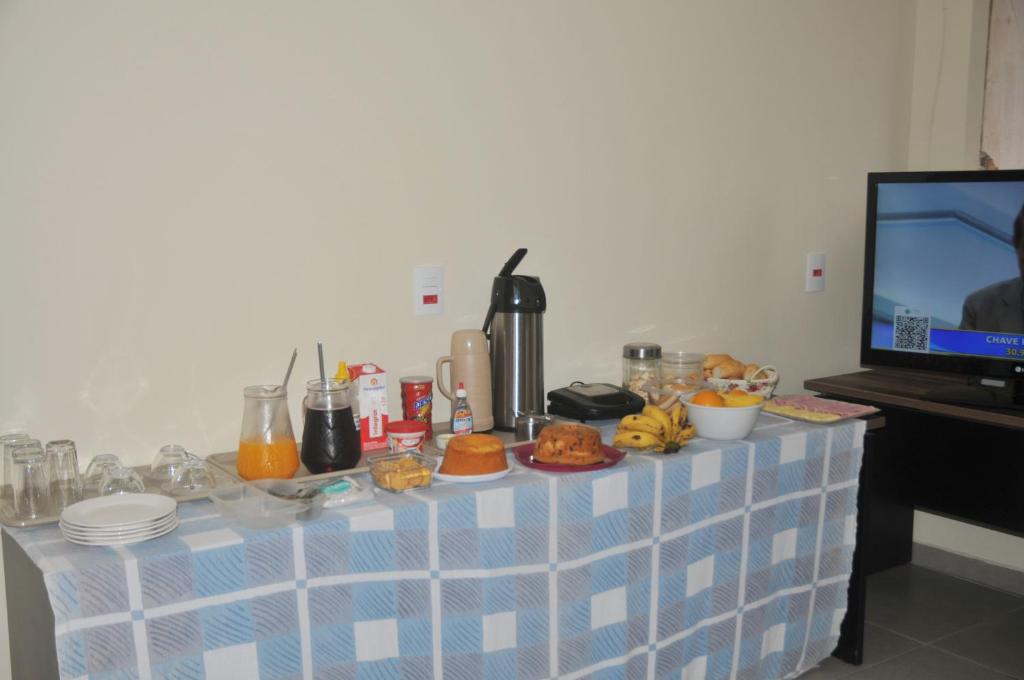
x=524 y=454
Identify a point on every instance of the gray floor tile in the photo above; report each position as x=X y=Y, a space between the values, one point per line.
x=830 y=669
x=925 y=605
x=881 y=645
x=927 y=663
x=999 y=645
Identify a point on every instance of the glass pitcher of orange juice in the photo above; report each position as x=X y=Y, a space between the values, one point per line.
x=267 y=445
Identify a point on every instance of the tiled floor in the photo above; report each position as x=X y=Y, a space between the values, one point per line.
x=923 y=625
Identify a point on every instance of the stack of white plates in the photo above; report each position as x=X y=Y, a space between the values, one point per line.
x=119 y=519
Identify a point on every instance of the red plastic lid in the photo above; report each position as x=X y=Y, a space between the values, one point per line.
x=407 y=427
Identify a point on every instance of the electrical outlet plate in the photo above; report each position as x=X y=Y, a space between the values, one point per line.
x=814 y=274
x=428 y=290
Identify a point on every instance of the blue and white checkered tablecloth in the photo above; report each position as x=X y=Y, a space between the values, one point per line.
x=726 y=560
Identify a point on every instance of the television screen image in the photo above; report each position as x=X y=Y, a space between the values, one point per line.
x=948 y=259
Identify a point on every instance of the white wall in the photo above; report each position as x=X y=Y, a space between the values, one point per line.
x=192 y=190
x=188 y=190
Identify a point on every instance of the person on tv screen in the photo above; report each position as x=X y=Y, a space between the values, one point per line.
x=1000 y=307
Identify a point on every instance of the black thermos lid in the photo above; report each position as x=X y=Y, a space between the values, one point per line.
x=518 y=293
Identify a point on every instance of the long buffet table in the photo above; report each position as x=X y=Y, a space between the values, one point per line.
x=726 y=560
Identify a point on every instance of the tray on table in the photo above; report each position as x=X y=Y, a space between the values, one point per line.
x=221 y=478
x=227 y=462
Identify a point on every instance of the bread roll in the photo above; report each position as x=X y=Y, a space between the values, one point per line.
x=750 y=370
x=730 y=370
x=712 y=360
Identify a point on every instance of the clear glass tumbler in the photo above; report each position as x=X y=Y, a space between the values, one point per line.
x=62 y=469
x=7 y=444
x=120 y=479
x=97 y=466
x=191 y=478
x=168 y=461
x=30 y=487
x=529 y=425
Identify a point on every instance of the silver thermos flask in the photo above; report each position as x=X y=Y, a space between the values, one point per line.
x=515 y=327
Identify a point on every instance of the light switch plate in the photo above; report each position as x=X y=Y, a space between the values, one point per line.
x=814 y=275
x=428 y=290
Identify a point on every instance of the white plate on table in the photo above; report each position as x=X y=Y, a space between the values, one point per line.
x=117 y=533
x=118 y=527
x=123 y=540
x=471 y=479
x=155 y=531
x=120 y=511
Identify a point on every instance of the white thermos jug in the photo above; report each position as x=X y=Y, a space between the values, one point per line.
x=469 y=364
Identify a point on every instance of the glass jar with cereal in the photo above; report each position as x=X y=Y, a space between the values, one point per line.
x=641 y=365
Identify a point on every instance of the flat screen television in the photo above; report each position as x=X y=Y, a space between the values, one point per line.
x=943 y=289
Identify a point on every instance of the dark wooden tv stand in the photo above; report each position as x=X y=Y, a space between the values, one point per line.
x=962 y=462
x=959 y=461
x=909 y=390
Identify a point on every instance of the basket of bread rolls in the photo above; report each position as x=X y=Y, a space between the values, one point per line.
x=725 y=373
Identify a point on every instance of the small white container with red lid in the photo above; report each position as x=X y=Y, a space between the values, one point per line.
x=406 y=435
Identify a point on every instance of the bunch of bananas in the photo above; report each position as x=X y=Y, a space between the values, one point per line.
x=655 y=430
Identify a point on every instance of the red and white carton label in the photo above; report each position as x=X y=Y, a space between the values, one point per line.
x=372 y=387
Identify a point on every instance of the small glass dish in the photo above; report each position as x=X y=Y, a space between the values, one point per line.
x=254 y=504
x=441 y=441
x=400 y=472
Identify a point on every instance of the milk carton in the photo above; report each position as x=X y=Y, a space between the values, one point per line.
x=371 y=385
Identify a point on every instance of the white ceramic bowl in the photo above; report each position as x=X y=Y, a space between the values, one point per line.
x=723 y=422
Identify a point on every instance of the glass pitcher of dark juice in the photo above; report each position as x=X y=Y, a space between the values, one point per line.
x=329 y=438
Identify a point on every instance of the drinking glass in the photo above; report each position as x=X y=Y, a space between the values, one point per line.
x=30 y=488
x=192 y=477
x=62 y=469
x=97 y=466
x=120 y=479
x=168 y=461
x=7 y=443
x=529 y=425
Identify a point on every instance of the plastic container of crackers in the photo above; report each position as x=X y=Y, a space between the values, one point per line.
x=400 y=472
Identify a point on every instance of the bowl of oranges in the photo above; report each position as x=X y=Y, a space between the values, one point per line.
x=724 y=415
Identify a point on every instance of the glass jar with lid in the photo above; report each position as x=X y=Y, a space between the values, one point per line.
x=681 y=371
x=641 y=365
